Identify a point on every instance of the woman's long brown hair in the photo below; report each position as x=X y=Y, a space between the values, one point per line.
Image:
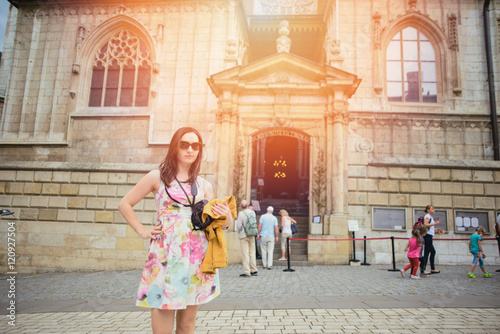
x=168 y=167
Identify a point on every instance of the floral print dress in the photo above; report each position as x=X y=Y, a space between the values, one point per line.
x=172 y=278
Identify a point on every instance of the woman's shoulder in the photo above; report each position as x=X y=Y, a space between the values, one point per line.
x=427 y=216
x=202 y=181
x=207 y=187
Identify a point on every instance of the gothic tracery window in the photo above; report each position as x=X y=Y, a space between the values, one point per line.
x=411 y=67
x=121 y=73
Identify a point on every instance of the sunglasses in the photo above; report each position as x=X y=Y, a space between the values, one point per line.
x=185 y=145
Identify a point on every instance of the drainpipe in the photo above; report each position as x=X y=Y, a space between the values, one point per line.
x=491 y=82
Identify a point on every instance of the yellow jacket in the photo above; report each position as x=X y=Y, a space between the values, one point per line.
x=216 y=256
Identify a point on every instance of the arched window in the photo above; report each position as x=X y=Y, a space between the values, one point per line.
x=411 y=67
x=121 y=73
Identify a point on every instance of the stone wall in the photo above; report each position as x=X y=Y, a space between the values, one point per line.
x=67 y=218
x=415 y=183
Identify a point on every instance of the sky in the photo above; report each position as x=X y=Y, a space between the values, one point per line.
x=4 y=11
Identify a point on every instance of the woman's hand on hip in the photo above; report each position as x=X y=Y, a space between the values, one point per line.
x=151 y=234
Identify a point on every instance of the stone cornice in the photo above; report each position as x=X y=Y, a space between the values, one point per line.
x=434 y=163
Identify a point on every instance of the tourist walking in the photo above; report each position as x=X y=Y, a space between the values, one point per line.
x=413 y=248
x=247 y=239
x=430 y=251
x=476 y=249
x=286 y=232
x=268 y=235
x=173 y=284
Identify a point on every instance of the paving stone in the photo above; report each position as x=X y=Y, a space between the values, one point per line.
x=366 y=299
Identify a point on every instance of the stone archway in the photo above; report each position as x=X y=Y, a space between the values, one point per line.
x=280 y=169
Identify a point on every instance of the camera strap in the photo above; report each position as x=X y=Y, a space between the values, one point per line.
x=191 y=203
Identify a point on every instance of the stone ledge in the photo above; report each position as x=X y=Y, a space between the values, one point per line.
x=435 y=163
x=76 y=166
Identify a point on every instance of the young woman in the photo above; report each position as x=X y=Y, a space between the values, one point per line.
x=172 y=282
x=429 y=223
x=286 y=231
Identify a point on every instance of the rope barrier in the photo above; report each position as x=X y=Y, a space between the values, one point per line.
x=385 y=238
x=392 y=238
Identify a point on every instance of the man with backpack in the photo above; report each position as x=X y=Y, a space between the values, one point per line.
x=246 y=227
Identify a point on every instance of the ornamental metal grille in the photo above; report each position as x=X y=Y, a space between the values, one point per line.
x=121 y=73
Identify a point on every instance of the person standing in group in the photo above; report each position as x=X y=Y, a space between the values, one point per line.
x=286 y=232
x=257 y=242
x=247 y=242
x=429 y=223
x=268 y=235
x=413 y=248
x=476 y=249
x=172 y=283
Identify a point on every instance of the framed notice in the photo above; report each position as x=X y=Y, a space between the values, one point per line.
x=256 y=205
x=389 y=219
x=352 y=225
x=468 y=221
x=317 y=220
x=438 y=215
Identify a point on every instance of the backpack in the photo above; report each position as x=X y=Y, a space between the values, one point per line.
x=251 y=225
x=419 y=222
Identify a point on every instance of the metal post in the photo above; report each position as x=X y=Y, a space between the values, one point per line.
x=353 y=248
x=288 y=255
x=393 y=256
x=364 y=252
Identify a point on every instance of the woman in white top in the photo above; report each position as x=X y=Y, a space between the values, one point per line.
x=286 y=231
x=429 y=223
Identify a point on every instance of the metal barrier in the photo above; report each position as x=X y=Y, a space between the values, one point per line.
x=392 y=238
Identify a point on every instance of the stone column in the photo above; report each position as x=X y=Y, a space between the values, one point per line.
x=223 y=185
x=336 y=122
x=339 y=162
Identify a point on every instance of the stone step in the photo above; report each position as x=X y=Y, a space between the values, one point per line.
x=295 y=256
x=293 y=263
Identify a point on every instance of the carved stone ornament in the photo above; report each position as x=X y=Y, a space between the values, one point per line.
x=361 y=144
x=225 y=115
x=283 y=43
x=75 y=68
x=413 y=5
x=81 y=37
x=282 y=122
x=337 y=116
x=376 y=30
x=335 y=49
x=231 y=48
x=291 y=7
x=498 y=32
x=159 y=35
x=156 y=67
x=333 y=52
x=453 y=31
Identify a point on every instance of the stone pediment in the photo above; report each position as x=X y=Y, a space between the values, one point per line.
x=285 y=72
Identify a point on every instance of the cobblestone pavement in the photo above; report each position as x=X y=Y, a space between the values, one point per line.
x=318 y=299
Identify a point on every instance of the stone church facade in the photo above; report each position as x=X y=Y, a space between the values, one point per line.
x=343 y=112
